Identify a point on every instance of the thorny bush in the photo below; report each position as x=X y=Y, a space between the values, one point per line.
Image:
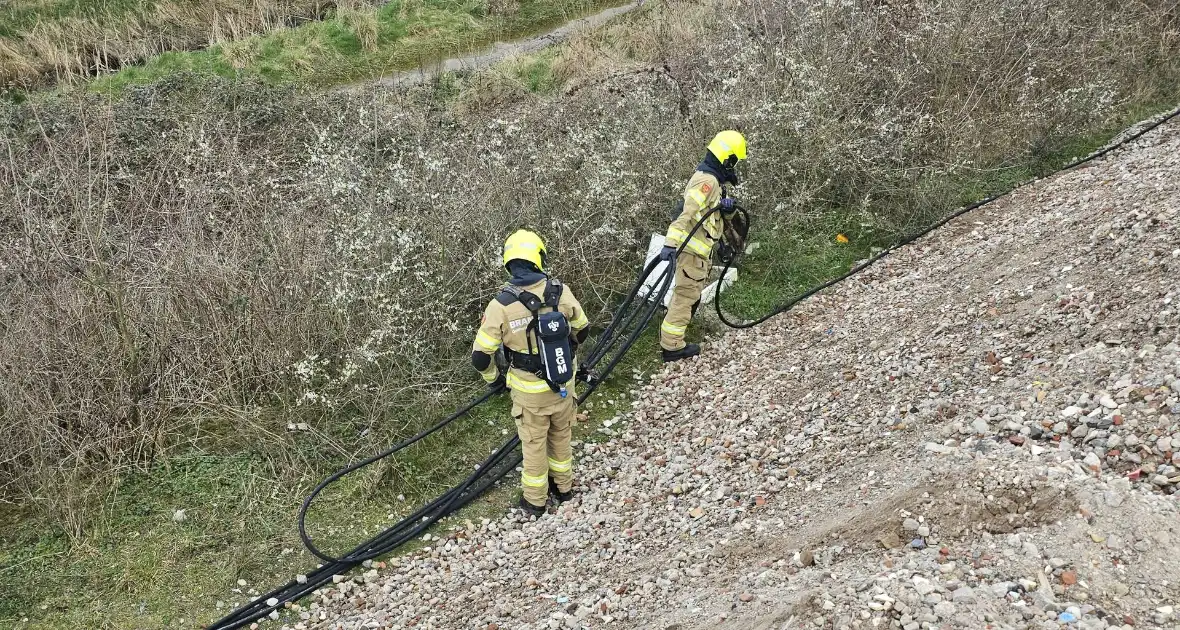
x=207 y=257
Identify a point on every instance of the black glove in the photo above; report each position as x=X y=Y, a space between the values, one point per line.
x=499 y=383
x=728 y=205
x=666 y=254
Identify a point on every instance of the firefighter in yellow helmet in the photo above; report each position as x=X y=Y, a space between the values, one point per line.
x=706 y=189
x=538 y=323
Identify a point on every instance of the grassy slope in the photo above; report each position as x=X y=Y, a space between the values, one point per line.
x=143 y=570
x=357 y=45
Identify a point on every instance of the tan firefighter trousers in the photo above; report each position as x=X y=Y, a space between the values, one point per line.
x=545 y=442
x=691 y=273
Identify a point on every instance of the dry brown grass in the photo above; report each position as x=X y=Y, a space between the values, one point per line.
x=258 y=255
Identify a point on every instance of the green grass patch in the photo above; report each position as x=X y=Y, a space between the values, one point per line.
x=141 y=568
x=536 y=73
x=791 y=258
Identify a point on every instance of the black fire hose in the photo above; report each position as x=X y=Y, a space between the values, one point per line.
x=628 y=323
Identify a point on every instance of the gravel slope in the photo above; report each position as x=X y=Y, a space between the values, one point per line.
x=982 y=431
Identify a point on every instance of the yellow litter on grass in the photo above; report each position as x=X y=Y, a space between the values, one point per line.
x=840 y=238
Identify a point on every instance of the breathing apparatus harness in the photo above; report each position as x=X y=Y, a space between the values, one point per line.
x=552 y=358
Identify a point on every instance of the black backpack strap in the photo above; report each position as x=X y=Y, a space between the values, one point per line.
x=511 y=293
x=553 y=291
x=506 y=297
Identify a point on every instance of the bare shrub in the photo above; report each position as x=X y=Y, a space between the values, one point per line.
x=204 y=248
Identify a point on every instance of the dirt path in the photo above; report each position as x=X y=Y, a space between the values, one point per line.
x=982 y=431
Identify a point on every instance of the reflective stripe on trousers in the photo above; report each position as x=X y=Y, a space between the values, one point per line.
x=528 y=387
x=545 y=434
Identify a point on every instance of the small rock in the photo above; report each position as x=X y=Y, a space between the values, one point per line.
x=889 y=540
x=1000 y=589
x=979 y=425
x=746 y=597
x=922 y=585
x=1070 y=411
x=944 y=609
x=806 y=558
x=1069 y=578
x=1108 y=402
x=963 y=595
x=910 y=525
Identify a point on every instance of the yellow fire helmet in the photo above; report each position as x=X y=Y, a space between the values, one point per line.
x=728 y=144
x=525 y=245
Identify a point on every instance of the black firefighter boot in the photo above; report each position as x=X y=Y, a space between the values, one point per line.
x=531 y=510
x=689 y=350
x=561 y=497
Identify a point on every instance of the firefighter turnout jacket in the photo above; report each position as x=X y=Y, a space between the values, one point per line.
x=702 y=194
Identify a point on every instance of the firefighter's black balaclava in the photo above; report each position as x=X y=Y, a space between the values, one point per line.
x=725 y=173
x=524 y=273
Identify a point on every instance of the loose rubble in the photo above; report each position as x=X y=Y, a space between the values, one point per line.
x=981 y=431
